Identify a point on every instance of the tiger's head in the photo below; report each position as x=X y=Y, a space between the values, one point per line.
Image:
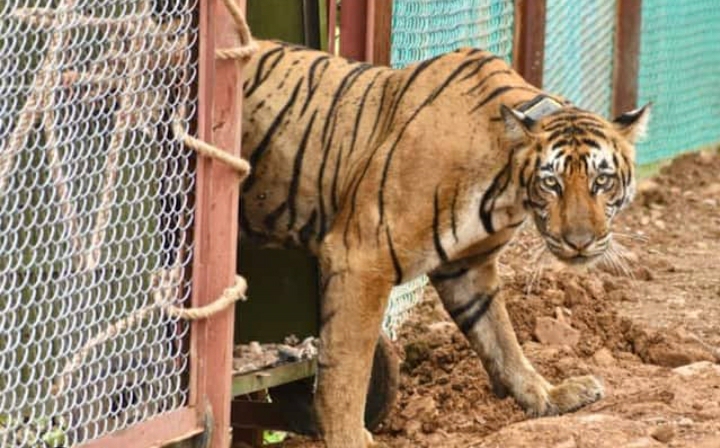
x=576 y=172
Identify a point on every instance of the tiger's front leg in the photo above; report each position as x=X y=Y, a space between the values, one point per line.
x=353 y=306
x=470 y=295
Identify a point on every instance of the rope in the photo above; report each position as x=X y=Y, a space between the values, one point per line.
x=240 y=165
x=161 y=302
x=248 y=46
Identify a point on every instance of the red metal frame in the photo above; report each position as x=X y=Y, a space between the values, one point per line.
x=216 y=232
x=365 y=30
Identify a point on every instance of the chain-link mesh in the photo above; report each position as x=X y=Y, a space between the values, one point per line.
x=95 y=212
x=422 y=29
x=579 y=39
x=680 y=74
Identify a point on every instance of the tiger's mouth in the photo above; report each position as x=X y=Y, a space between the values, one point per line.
x=574 y=257
x=578 y=259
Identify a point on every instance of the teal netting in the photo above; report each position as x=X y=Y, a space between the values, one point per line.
x=579 y=41
x=680 y=74
x=422 y=29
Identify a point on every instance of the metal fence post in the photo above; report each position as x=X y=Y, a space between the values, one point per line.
x=219 y=121
x=529 y=41
x=627 y=50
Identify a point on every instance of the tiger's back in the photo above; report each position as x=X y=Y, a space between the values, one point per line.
x=327 y=136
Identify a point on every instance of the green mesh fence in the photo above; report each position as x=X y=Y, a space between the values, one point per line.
x=578 y=61
x=680 y=74
x=422 y=29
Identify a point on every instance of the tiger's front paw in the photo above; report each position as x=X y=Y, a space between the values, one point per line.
x=575 y=392
x=568 y=396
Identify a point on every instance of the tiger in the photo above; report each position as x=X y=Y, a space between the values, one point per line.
x=387 y=174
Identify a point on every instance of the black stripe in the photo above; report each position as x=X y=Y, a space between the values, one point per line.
x=381 y=108
x=297 y=169
x=355 y=190
x=334 y=192
x=485 y=80
x=345 y=83
x=480 y=64
x=591 y=143
x=596 y=132
x=307 y=230
x=436 y=229
x=312 y=85
x=246 y=228
x=272 y=217
x=497 y=92
x=487 y=203
x=453 y=223
x=452 y=275
x=455 y=313
x=421 y=67
x=269 y=134
x=361 y=109
x=261 y=77
x=395 y=260
x=469 y=322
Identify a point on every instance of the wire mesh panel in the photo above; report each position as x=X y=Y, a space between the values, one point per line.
x=94 y=214
x=579 y=37
x=422 y=29
x=680 y=74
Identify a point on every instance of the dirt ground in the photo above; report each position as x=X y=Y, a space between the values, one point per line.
x=648 y=325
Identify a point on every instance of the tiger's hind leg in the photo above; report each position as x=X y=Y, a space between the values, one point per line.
x=352 y=310
x=470 y=295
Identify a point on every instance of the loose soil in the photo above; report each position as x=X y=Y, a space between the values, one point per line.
x=649 y=326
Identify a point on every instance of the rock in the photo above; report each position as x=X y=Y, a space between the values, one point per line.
x=686 y=422
x=551 y=331
x=420 y=410
x=416 y=353
x=603 y=357
x=708 y=442
x=697 y=368
x=712 y=190
x=664 y=433
x=647 y=186
x=567 y=443
x=644 y=442
x=710 y=202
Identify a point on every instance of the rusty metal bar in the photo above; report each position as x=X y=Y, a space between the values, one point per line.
x=529 y=40
x=379 y=31
x=627 y=51
x=331 y=24
x=353 y=29
x=217 y=191
x=180 y=424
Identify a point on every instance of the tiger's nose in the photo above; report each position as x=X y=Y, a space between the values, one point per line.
x=579 y=239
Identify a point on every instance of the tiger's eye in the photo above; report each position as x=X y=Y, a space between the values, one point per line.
x=602 y=180
x=549 y=182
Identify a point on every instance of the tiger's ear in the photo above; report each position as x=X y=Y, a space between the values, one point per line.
x=633 y=125
x=518 y=126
